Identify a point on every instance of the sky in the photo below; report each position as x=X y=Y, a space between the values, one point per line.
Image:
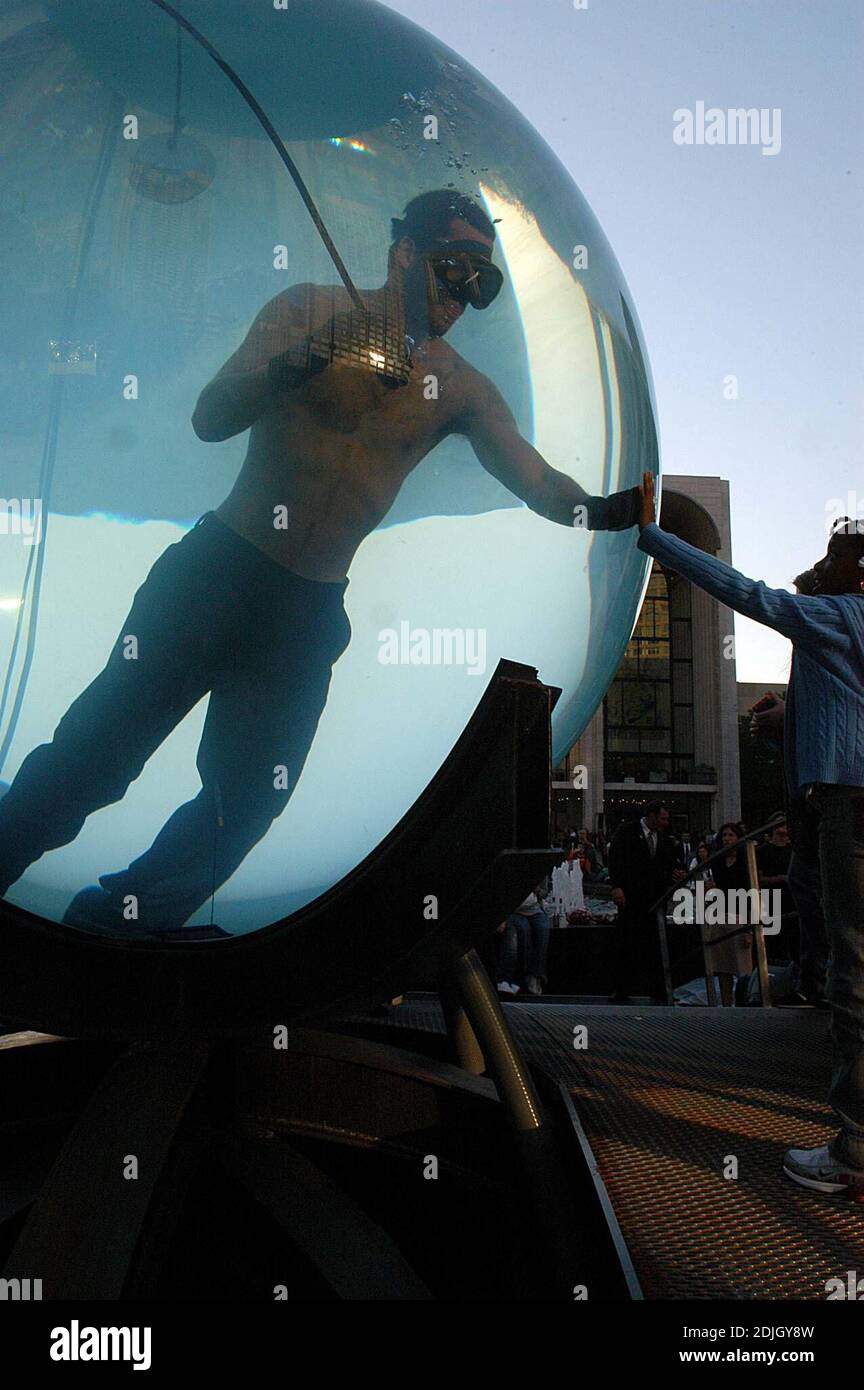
x=741 y=264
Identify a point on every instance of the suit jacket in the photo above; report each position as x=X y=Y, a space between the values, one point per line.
x=633 y=869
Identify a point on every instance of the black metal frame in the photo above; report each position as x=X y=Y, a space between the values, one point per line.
x=185 y=1011
x=364 y=940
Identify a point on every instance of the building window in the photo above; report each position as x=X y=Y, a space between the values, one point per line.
x=649 y=706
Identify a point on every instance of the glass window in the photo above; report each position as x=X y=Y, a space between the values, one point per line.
x=654 y=659
x=613 y=704
x=630 y=661
x=638 y=703
x=683 y=729
x=621 y=742
x=645 y=624
x=661 y=620
x=681 y=640
x=679 y=598
x=663 y=697
x=682 y=682
x=649 y=707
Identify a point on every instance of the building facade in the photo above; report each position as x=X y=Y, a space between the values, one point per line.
x=668 y=726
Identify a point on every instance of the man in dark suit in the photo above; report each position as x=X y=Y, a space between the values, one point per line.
x=644 y=860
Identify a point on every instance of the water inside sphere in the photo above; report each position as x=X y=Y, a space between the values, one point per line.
x=233 y=658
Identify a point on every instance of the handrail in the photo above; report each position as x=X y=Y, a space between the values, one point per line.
x=756 y=928
x=778 y=819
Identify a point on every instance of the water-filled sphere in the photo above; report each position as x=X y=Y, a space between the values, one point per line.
x=147 y=218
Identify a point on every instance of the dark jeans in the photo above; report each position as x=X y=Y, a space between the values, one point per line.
x=841 y=856
x=531 y=933
x=214 y=614
x=805 y=884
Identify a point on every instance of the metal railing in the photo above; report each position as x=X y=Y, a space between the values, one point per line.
x=658 y=910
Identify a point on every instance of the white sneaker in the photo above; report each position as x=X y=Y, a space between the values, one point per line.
x=533 y=985
x=819 y=1170
x=504 y=987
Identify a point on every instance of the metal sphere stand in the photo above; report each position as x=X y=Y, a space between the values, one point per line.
x=156 y=1063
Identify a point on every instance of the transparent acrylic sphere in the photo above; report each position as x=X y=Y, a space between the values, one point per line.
x=133 y=269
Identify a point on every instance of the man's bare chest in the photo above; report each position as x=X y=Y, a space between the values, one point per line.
x=384 y=418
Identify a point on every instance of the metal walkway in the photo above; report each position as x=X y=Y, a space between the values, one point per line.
x=668 y=1098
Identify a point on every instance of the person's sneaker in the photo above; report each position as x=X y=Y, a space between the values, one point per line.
x=504 y=987
x=821 y=1171
x=533 y=984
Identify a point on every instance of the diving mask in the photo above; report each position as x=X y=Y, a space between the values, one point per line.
x=464 y=271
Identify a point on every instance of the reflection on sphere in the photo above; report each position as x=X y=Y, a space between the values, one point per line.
x=270 y=723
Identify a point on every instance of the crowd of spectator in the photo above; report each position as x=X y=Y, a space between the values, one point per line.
x=636 y=866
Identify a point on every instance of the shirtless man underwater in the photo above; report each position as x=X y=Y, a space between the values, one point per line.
x=248 y=606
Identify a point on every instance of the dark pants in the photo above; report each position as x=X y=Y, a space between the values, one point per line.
x=841 y=858
x=525 y=936
x=805 y=885
x=214 y=614
x=638 y=963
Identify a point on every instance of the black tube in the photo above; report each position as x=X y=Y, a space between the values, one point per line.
x=278 y=145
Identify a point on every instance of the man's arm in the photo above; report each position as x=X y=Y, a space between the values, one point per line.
x=494 y=435
x=243 y=388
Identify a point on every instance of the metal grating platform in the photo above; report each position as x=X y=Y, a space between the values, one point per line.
x=665 y=1095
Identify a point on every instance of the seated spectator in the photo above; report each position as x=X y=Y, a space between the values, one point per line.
x=587 y=856
x=524 y=937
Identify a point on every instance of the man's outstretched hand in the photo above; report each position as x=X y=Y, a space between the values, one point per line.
x=634 y=507
x=618 y=512
x=647 y=502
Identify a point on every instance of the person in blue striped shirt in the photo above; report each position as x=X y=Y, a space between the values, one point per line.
x=824 y=757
